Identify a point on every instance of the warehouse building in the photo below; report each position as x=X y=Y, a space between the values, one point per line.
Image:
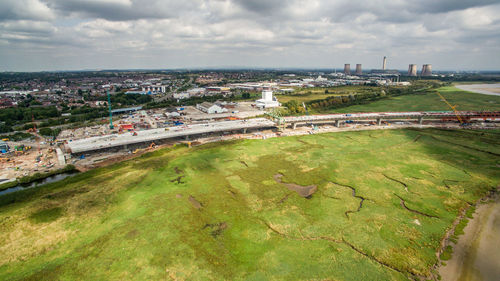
x=210 y=108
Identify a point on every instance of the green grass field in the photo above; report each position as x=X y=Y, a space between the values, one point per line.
x=382 y=201
x=428 y=102
x=310 y=94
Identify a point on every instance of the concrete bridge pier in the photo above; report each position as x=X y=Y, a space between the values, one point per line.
x=420 y=120
x=186 y=138
x=337 y=123
x=244 y=130
x=379 y=121
x=294 y=126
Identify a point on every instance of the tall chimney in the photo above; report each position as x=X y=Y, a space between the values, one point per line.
x=412 y=70
x=358 y=69
x=347 y=69
x=384 y=64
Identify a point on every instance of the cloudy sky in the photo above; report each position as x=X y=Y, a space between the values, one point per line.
x=103 y=34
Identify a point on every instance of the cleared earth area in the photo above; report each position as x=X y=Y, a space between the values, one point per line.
x=371 y=205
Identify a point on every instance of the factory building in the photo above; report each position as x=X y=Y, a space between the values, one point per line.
x=412 y=70
x=210 y=108
x=267 y=100
x=426 y=70
x=181 y=96
x=359 y=71
x=347 y=69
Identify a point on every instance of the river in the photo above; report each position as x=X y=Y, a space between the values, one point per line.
x=38 y=183
x=485 y=89
x=476 y=256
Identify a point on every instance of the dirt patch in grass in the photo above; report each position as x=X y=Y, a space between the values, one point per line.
x=216 y=228
x=132 y=234
x=195 y=202
x=46 y=215
x=304 y=191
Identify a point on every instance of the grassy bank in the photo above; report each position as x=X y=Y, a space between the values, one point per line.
x=381 y=202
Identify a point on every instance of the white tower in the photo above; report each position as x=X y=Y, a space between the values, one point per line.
x=267 y=95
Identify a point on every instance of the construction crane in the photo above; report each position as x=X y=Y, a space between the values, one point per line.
x=454 y=108
x=278 y=118
x=35 y=132
x=110 y=113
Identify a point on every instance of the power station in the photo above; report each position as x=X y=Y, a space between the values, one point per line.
x=359 y=71
x=347 y=69
x=412 y=70
x=426 y=70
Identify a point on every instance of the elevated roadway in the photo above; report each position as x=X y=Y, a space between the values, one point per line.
x=419 y=116
x=148 y=136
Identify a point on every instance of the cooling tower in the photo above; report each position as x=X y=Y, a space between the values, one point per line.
x=412 y=70
x=347 y=69
x=358 y=69
x=426 y=70
x=384 y=64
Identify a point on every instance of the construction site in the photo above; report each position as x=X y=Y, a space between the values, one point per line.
x=132 y=131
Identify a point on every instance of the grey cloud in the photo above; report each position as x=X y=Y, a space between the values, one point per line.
x=24 y=10
x=123 y=10
x=298 y=33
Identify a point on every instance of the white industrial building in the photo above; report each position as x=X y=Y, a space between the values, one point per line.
x=210 y=108
x=181 y=96
x=155 y=89
x=267 y=100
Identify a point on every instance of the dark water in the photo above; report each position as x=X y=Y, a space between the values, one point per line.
x=38 y=183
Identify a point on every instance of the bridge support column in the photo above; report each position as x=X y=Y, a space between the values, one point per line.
x=337 y=123
x=420 y=120
x=294 y=126
x=244 y=130
x=379 y=121
x=186 y=138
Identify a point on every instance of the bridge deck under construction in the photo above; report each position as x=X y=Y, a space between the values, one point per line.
x=129 y=138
